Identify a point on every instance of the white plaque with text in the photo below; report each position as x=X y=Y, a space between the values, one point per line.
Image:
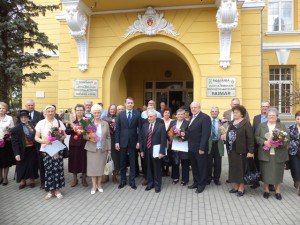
x=86 y=88
x=221 y=87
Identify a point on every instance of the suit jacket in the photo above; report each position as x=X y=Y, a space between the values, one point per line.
x=227 y=115
x=220 y=142
x=127 y=135
x=199 y=132
x=105 y=139
x=281 y=153
x=244 y=137
x=18 y=140
x=159 y=137
x=36 y=117
x=184 y=126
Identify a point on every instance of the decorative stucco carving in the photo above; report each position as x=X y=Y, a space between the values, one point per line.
x=227 y=20
x=151 y=23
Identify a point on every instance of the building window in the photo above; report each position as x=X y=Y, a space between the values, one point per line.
x=280 y=15
x=281 y=90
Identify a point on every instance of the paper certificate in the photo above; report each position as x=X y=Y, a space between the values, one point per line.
x=156 y=149
x=180 y=146
x=53 y=148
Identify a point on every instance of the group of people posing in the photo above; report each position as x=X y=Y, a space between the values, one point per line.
x=162 y=139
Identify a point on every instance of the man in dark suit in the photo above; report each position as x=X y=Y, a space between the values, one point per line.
x=128 y=126
x=34 y=118
x=153 y=135
x=198 y=135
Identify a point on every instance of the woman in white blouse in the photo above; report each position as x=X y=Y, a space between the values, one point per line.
x=6 y=153
x=54 y=166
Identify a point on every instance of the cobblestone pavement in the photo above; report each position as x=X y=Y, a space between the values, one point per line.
x=174 y=205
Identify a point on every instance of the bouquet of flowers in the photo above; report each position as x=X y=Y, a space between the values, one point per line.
x=4 y=136
x=276 y=138
x=179 y=134
x=89 y=128
x=55 y=133
x=78 y=129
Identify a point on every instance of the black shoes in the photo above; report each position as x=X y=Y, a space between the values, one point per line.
x=157 y=190
x=199 y=190
x=217 y=182
x=240 y=193
x=193 y=186
x=148 y=188
x=122 y=184
x=266 y=195
x=278 y=196
x=232 y=191
x=133 y=186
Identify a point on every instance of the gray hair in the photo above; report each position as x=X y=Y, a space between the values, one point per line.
x=149 y=111
x=215 y=108
x=88 y=102
x=272 y=110
x=180 y=111
x=195 y=103
x=29 y=100
x=96 y=107
x=235 y=99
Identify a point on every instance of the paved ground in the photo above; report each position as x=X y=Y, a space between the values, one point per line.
x=174 y=205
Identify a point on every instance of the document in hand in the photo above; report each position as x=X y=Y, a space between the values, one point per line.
x=156 y=149
x=180 y=146
x=53 y=148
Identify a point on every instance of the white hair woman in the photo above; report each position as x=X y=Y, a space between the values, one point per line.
x=97 y=151
x=54 y=166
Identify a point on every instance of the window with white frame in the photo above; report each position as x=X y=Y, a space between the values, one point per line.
x=281 y=90
x=280 y=15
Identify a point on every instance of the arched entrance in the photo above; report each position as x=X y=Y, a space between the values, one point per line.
x=121 y=79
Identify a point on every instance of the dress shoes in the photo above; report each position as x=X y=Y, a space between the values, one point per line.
x=240 y=193
x=122 y=185
x=148 y=188
x=145 y=182
x=193 y=186
x=266 y=195
x=199 y=190
x=84 y=183
x=133 y=186
x=157 y=190
x=217 y=182
x=74 y=183
x=232 y=191
x=278 y=196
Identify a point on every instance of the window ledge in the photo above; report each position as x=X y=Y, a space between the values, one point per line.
x=282 y=33
x=285 y=117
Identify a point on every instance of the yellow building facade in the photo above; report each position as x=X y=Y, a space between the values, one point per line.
x=209 y=51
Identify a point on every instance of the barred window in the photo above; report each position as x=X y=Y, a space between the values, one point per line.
x=281 y=90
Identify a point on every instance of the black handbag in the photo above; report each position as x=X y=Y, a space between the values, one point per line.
x=252 y=175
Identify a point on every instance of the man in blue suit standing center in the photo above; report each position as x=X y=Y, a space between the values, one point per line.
x=128 y=126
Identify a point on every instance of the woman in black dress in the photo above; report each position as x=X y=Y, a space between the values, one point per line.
x=23 y=144
x=6 y=153
x=77 y=154
x=239 y=144
x=115 y=155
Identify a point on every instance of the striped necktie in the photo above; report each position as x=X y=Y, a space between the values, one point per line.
x=149 y=137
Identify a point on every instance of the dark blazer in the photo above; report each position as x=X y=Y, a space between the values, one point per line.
x=184 y=126
x=281 y=153
x=127 y=135
x=244 y=137
x=18 y=140
x=159 y=137
x=199 y=133
x=36 y=117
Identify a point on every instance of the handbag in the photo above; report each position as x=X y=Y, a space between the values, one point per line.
x=109 y=166
x=252 y=175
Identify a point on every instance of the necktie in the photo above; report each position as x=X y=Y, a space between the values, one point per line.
x=129 y=117
x=215 y=129
x=149 y=137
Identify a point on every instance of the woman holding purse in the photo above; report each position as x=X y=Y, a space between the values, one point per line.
x=98 y=146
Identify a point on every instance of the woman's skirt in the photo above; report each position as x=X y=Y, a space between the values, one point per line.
x=272 y=171
x=27 y=168
x=236 y=167
x=96 y=162
x=7 y=158
x=77 y=159
x=54 y=171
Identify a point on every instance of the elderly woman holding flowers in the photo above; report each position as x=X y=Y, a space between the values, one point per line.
x=48 y=130
x=98 y=146
x=294 y=151
x=272 y=139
